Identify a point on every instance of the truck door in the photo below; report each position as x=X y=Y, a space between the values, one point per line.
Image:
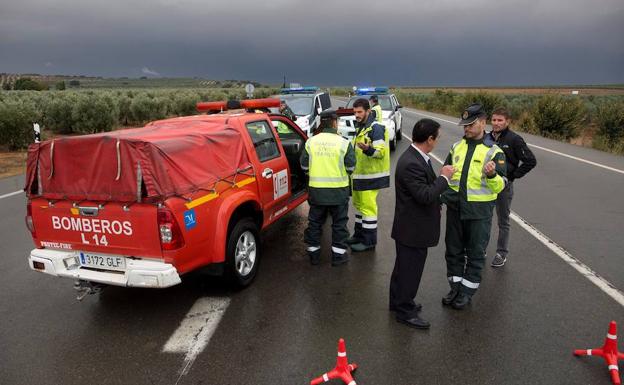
x=293 y=142
x=272 y=168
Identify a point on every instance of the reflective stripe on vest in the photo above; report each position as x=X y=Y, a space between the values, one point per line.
x=479 y=188
x=370 y=170
x=326 y=160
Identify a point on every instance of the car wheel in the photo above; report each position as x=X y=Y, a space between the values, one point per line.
x=243 y=252
x=393 y=143
x=399 y=132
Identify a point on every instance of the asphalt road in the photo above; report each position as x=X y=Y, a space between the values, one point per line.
x=521 y=329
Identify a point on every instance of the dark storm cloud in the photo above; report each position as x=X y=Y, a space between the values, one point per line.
x=348 y=42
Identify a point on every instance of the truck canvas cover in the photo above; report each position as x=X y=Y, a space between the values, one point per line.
x=167 y=158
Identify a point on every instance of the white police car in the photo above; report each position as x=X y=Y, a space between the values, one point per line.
x=391 y=114
x=306 y=103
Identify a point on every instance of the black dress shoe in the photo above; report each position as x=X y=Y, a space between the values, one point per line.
x=461 y=301
x=417 y=307
x=414 y=322
x=450 y=297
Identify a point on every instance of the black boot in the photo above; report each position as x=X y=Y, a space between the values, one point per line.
x=461 y=301
x=450 y=297
x=315 y=258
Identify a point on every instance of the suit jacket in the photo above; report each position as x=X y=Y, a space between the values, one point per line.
x=417 y=210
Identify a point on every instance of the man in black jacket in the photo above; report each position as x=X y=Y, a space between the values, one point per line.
x=520 y=160
x=416 y=220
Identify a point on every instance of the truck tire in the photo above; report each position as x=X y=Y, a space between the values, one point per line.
x=243 y=252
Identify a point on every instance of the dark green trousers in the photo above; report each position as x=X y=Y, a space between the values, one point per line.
x=316 y=218
x=466 y=241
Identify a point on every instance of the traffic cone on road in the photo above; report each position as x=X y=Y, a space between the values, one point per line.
x=609 y=352
x=342 y=370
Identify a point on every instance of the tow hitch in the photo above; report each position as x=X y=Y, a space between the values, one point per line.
x=84 y=288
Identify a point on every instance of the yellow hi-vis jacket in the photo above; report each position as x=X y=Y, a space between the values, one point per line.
x=479 y=187
x=372 y=168
x=326 y=167
x=378 y=112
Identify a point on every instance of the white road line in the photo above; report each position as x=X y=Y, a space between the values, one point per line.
x=582 y=268
x=10 y=194
x=538 y=147
x=562 y=253
x=196 y=329
x=579 y=159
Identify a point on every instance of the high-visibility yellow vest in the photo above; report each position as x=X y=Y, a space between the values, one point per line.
x=378 y=112
x=282 y=128
x=371 y=172
x=326 y=153
x=479 y=188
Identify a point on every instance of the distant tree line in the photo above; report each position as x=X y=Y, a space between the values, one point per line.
x=562 y=117
x=72 y=112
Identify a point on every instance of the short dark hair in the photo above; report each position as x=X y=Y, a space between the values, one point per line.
x=423 y=129
x=502 y=111
x=373 y=98
x=363 y=103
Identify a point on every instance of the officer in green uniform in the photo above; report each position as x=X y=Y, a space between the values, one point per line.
x=376 y=108
x=328 y=159
x=372 y=173
x=286 y=111
x=470 y=199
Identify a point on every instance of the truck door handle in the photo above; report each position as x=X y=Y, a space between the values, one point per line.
x=267 y=173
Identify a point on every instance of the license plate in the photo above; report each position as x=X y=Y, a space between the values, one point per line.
x=104 y=262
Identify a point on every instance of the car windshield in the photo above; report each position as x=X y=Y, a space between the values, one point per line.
x=299 y=104
x=384 y=101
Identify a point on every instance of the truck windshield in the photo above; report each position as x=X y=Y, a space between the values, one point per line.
x=300 y=105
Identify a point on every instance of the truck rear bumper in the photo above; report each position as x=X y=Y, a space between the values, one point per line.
x=138 y=272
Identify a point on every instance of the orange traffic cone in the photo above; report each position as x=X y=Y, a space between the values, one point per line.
x=342 y=370
x=609 y=352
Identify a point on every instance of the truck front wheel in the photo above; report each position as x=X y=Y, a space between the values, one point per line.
x=243 y=252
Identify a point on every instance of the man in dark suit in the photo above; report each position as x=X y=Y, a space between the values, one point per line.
x=416 y=220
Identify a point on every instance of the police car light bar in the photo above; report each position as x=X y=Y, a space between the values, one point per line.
x=238 y=104
x=372 y=91
x=299 y=90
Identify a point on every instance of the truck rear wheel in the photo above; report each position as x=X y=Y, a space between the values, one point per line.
x=243 y=252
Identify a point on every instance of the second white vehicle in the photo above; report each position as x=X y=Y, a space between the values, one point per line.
x=391 y=114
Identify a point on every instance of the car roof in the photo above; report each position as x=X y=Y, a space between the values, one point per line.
x=301 y=94
x=368 y=96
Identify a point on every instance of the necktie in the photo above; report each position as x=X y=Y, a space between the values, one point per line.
x=429 y=163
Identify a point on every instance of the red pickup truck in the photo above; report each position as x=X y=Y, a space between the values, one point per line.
x=141 y=207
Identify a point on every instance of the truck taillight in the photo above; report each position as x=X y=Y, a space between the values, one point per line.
x=29 y=220
x=170 y=234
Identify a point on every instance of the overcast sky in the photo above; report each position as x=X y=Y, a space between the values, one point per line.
x=342 y=42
